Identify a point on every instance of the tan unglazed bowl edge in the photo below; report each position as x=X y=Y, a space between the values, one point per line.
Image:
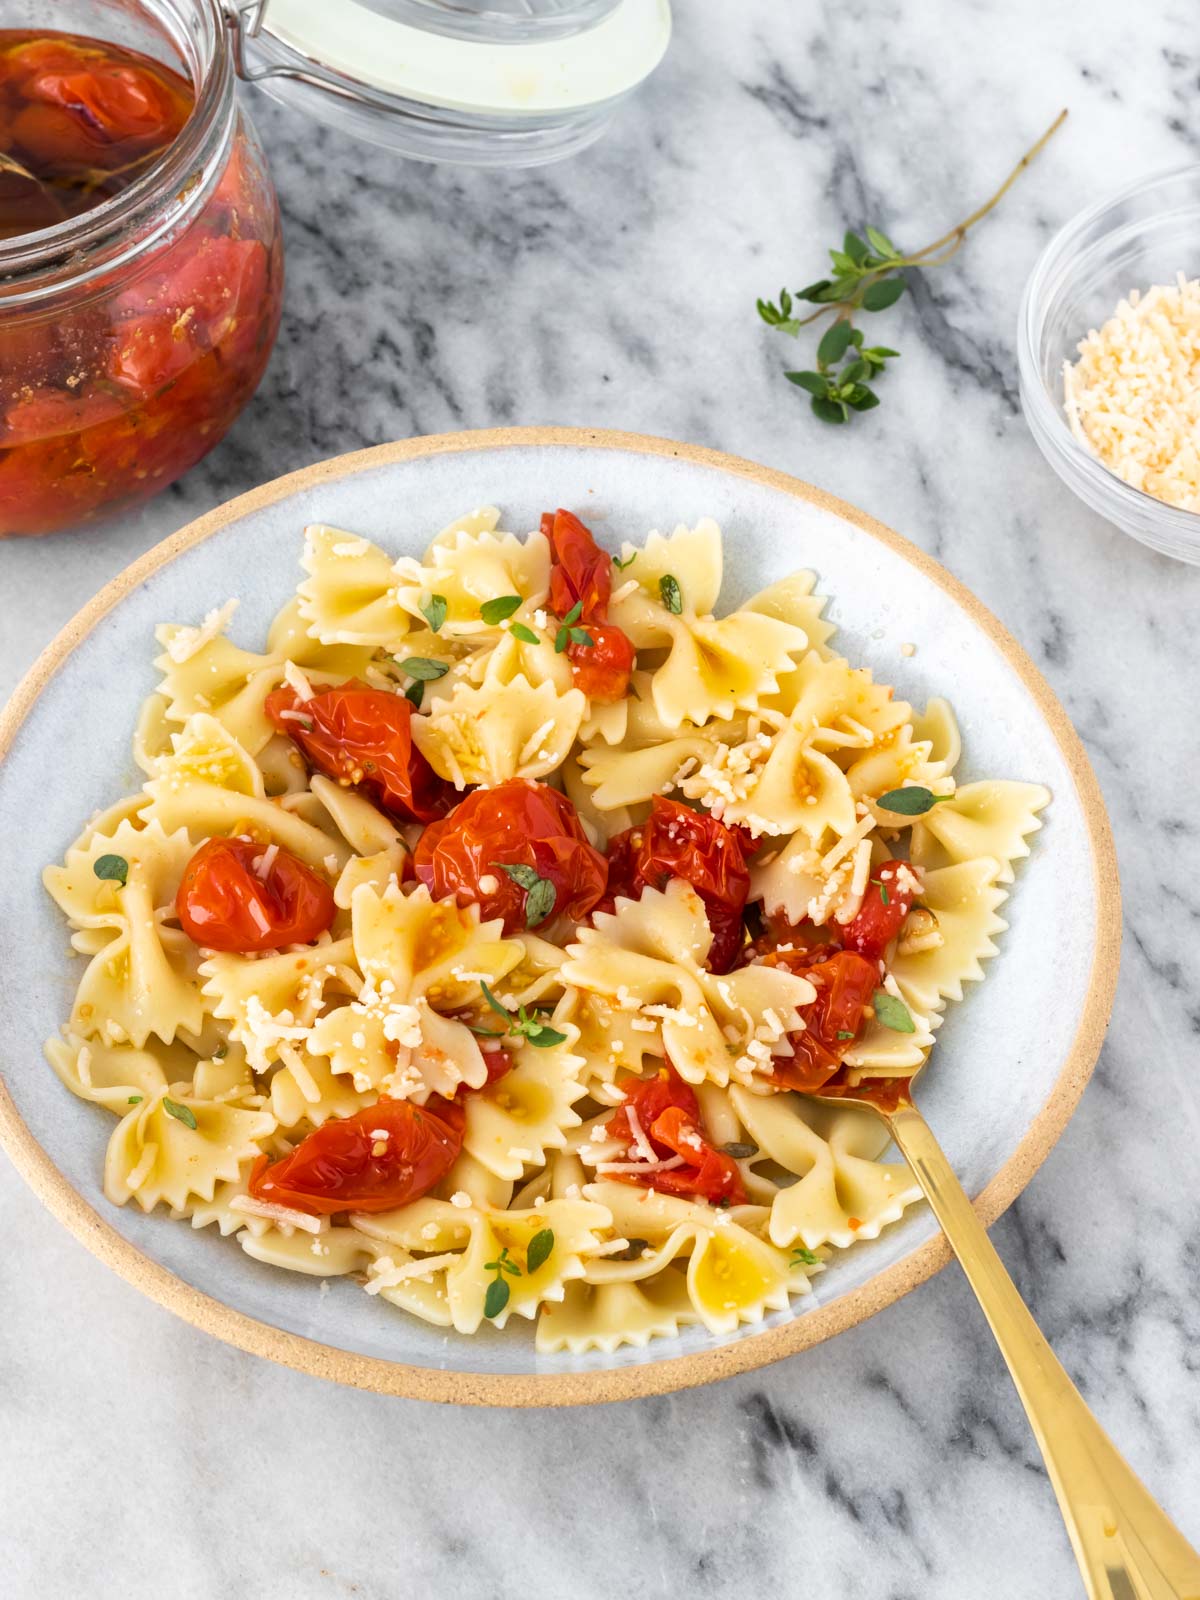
x=655 y=1377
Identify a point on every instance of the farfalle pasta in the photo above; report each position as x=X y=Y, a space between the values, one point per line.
x=500 y=936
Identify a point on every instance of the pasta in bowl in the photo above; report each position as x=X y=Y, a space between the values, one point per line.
x=484 y=936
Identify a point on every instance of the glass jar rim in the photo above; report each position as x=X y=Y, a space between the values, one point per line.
x=34 y=266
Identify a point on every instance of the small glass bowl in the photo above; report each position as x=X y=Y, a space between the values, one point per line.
x=1144 y=235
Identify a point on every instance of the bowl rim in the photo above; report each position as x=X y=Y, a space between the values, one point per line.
x=583 y=1387
x=1047 y=419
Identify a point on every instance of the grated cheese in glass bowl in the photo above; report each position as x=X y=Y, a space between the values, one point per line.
x=1109 y=354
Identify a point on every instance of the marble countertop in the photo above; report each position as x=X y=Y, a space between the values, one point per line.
x=142 y=1458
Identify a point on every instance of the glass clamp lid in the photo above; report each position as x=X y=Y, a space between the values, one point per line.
x=476 y=82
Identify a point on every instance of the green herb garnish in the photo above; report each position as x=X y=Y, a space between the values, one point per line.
x=134 y=1100
x=114 y=869
x=740 y=1152
x=802 y=1257
x=415 y=693
x=845 y=1033
x=526 y=1024
x=628 y=561
x=434 y=611
x=540 y=893
x=911 y=801
x=423 y=669
x=526 y=635
x=220 y=1052
x=540 y=1247
x=499 y=610
x=668 y=588
x=181 y=1113
x=568 y=634
x=496 y=1298
x=866 y=276
x=893 y=1013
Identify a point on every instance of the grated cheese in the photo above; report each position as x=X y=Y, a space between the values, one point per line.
x=296 y=679
x=187 y=642
x=1133 y=397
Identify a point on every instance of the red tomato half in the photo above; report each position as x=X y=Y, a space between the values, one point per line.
x=883 y=910
x=845 y=984
x=676 y=842
x=603 y=668
x=519 y=823
x=225 y=904
x=581 y=573
x=668 y=1114
x=382 y=1157
x=363 y=737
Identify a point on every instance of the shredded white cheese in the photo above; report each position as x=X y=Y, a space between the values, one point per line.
x=1133 y=397
x=187 y=642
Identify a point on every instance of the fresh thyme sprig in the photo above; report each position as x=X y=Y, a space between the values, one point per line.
x=867 y=276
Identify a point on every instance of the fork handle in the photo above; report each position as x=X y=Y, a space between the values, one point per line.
x=1126 y=1545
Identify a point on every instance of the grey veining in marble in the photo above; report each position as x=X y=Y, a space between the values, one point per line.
x=142 y=1459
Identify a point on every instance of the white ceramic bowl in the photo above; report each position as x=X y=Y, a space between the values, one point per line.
x=1010 y=1062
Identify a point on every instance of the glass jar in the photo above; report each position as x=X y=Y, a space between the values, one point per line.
x=131 y=336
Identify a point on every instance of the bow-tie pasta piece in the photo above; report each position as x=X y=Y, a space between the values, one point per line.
x=618 y=777
x=692 y=557
x=512 y=657
x=211 y=786
x=606 y=1316
x=937 y=726
x=226 y=1077
x=713 y=666
x=140 y=979
x=309 y=1091
x=612 y=1039
x=649 y=955
x=271 y=1003
x=992 y=818
x=325 y=1252
x=466 y=568
x=794 y=599
x=447 y=1283
x=168 y=1150
x=115 y=1076
x=418 y=958
x=844 y=1191
x=493 y=733
x=349 y=596
x=203 y=671
x=733 y=1274
x=963 y=901
x=512 y=1123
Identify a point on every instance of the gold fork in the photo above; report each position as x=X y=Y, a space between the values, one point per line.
x=1126 y=1545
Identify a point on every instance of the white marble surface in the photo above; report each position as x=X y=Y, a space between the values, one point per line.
x=143 y=1459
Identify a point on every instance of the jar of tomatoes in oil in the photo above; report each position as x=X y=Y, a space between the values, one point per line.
x=141 y=265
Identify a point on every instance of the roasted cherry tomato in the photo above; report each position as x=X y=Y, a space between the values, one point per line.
x=845 y=984
x=383 y=1156
x=884 y=908
x=581 y=573
x=666 y=1111
x=581 y=577
x=236 y=895
x=603 y=668
x=518 y=824
x=676 y=842
x=363 y=736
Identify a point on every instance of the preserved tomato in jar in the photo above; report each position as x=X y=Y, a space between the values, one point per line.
x=141 y=267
